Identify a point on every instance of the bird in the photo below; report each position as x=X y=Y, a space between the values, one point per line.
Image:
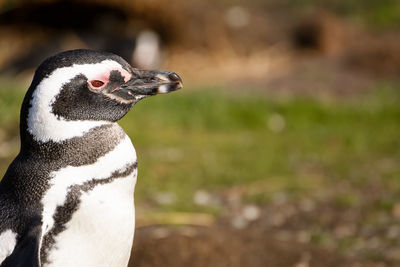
x=67 y=199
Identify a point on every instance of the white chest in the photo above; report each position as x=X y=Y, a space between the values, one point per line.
x=100 y=231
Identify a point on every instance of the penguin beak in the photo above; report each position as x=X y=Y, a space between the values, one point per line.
x=147 y=83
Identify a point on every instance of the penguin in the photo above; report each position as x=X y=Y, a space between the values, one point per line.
x=67 y=197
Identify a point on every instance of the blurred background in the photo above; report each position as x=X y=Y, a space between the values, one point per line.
x=282 y=149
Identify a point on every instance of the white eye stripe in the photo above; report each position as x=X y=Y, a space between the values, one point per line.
x=42 y=123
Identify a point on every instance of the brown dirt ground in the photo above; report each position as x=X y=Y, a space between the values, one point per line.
x=218 y=246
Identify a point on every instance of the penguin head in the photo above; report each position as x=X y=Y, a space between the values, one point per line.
x=85 y=88
x=92 y=85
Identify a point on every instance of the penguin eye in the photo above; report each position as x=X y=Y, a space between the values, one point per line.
x=96 y=83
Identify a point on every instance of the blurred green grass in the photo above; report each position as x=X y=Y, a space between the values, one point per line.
x=212 y=140
x=209 y=139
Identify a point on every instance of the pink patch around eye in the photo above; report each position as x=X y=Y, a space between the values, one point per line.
x=127 y=76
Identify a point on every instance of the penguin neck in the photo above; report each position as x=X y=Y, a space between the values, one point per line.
x=77 y=150
x=59 y=130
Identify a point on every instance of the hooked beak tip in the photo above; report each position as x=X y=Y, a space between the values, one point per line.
x=172 y=82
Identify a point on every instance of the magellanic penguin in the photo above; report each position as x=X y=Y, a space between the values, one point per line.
x=67 y=198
